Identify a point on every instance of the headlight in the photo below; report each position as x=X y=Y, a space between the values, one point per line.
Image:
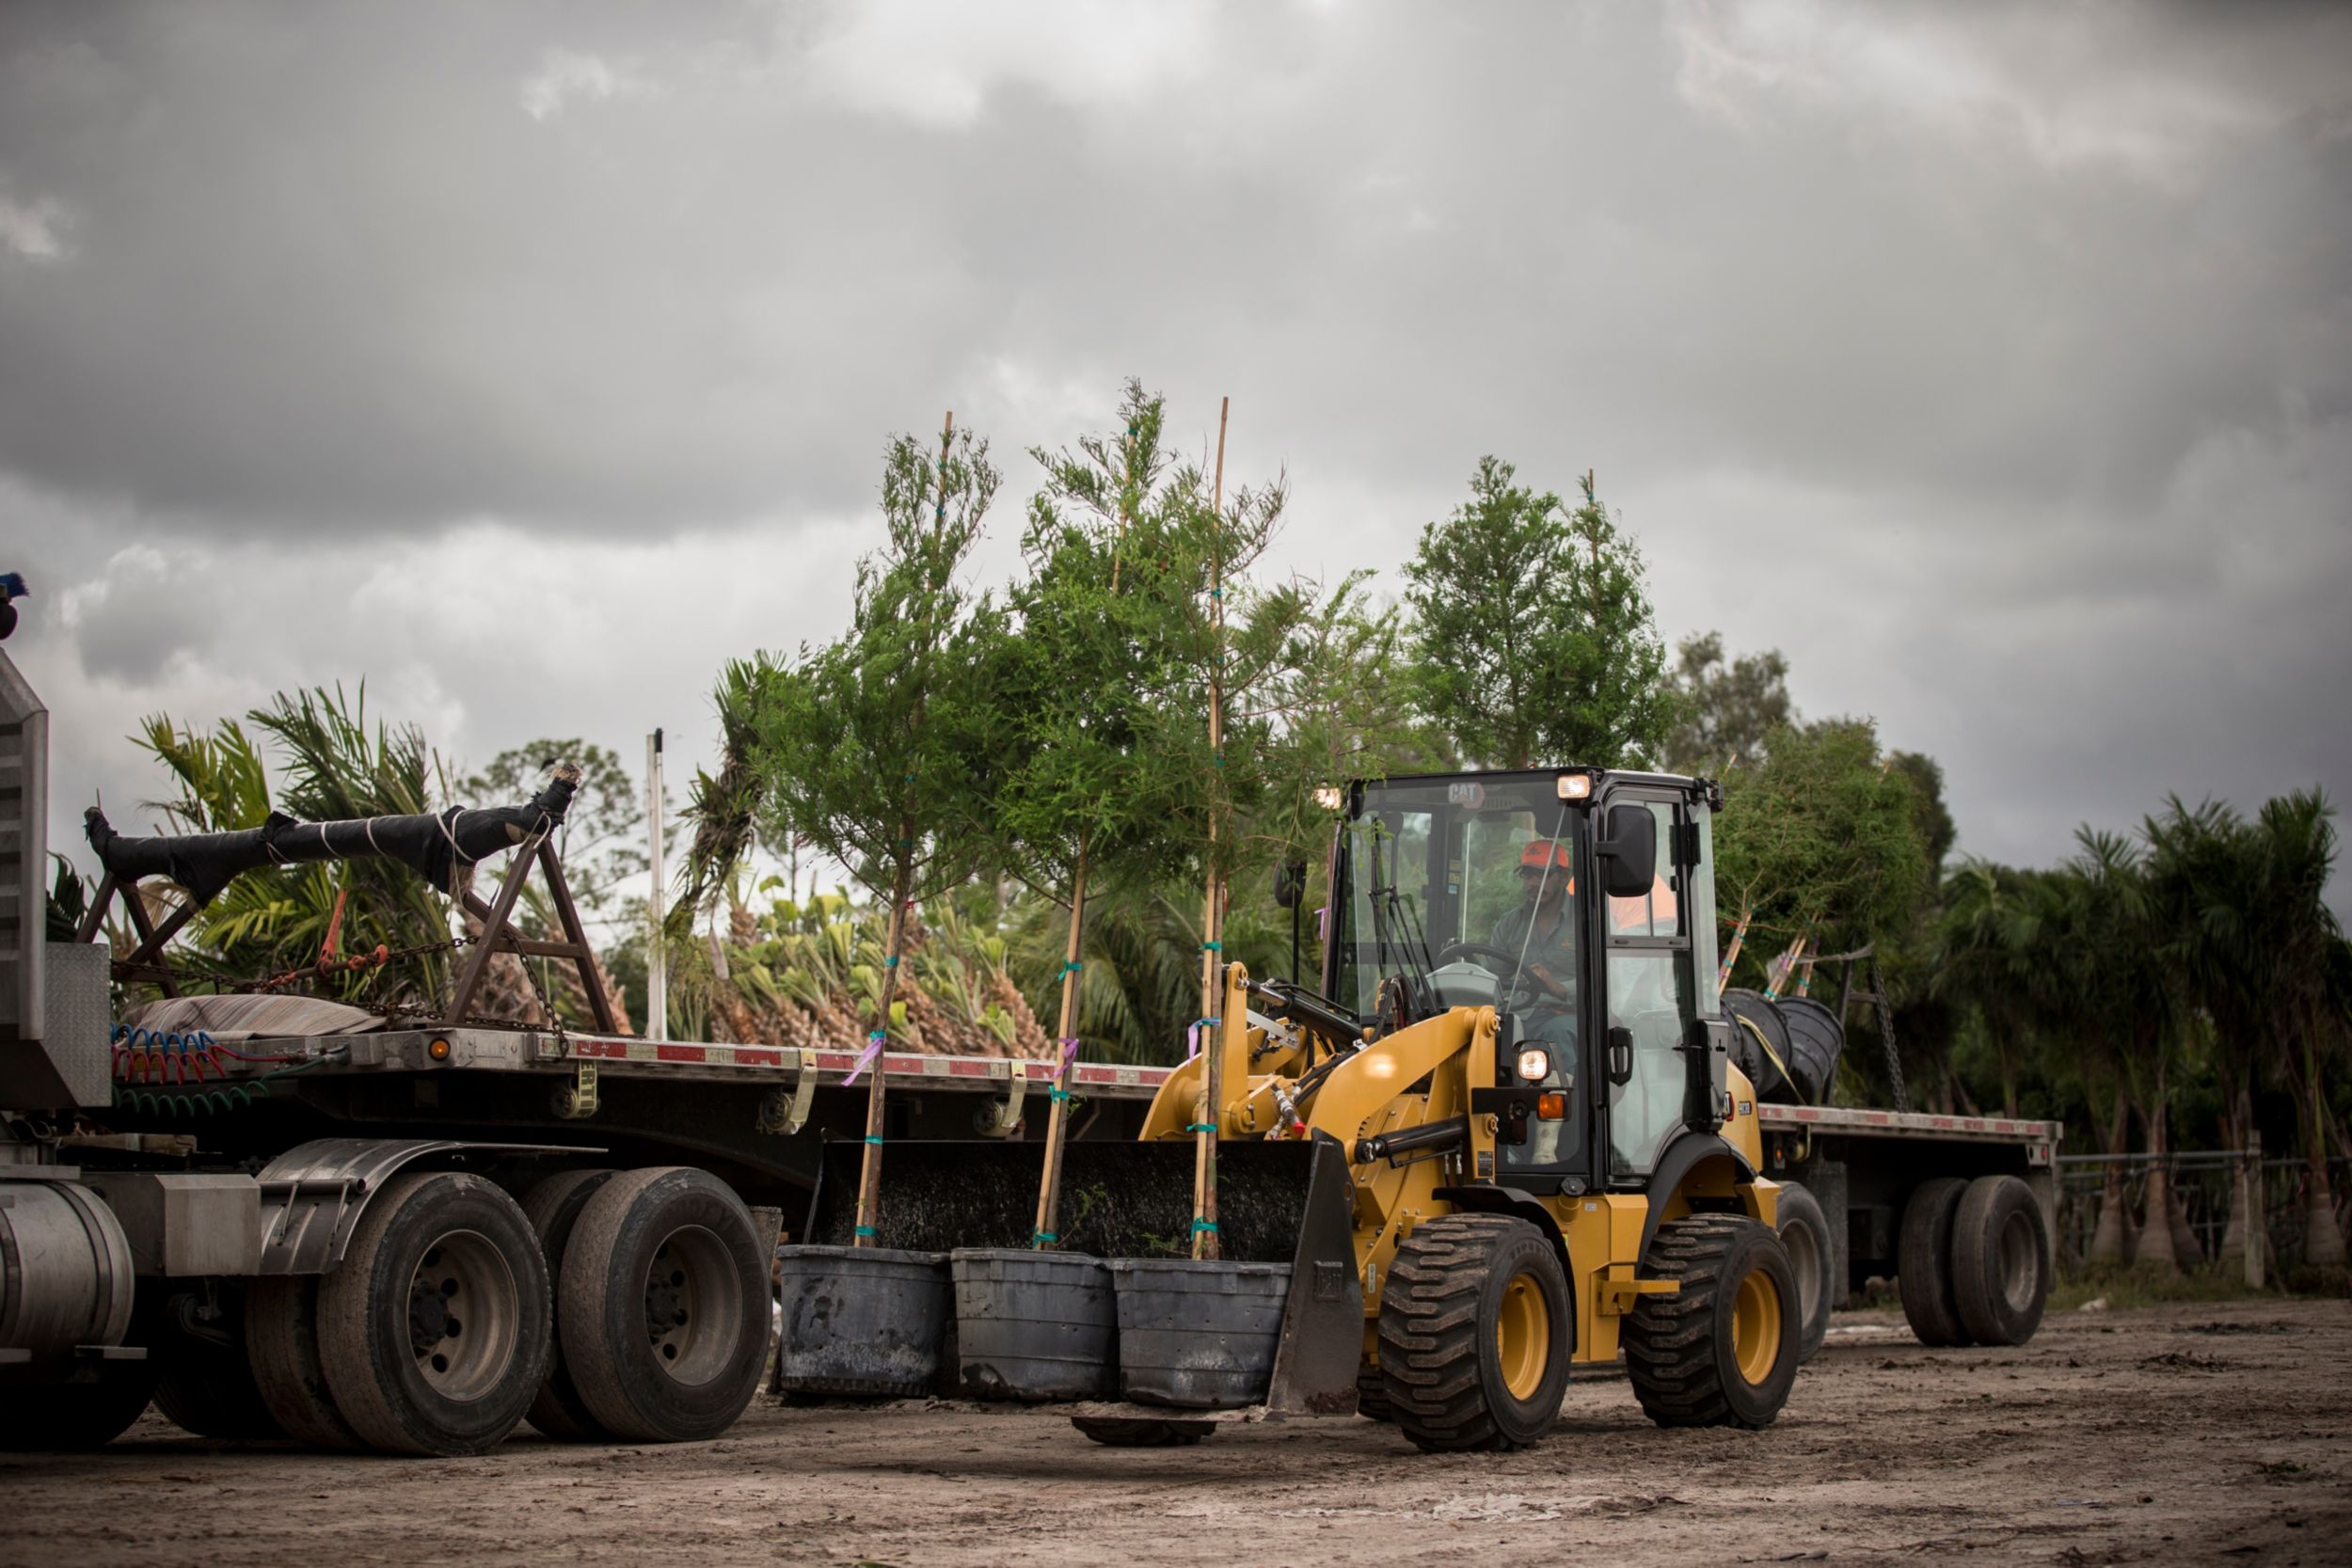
x=1330 y=797
x=1535 y=1065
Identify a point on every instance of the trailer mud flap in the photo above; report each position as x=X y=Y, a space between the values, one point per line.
x=1277 y=1202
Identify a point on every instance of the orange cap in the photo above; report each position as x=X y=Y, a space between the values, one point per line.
x=1543 y=851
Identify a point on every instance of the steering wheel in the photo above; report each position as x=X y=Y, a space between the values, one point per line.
x=1505 y=963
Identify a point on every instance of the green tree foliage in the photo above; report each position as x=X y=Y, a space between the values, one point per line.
x=1724 y=709
x=882 y=748
x=1533 y=642
x=1822 y=840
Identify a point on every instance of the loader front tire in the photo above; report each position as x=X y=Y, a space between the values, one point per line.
x=1475 y=1333
x=1723 y=1350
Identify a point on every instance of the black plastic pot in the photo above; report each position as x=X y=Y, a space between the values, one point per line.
x=1197 y=1335
x=864 y=1322
x=1034 y=1326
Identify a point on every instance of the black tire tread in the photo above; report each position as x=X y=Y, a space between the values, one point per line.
x=281 y=1344
x=1431 y=1347
x=1669 y=1340
x=552 y=1206
x=350 y=1347
x=1976 y=1287
x=1923 y=1263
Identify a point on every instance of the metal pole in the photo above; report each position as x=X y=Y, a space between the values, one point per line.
x=657 y=957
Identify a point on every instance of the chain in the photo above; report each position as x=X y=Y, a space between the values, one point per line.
x=1886 y=1036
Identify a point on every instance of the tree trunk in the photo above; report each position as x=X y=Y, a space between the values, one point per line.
x=2323 y=1239
x=2156 y=1250
x=2108 y=1242
x=870 y=1171
x=2236 y=1126
x=1048 y=1231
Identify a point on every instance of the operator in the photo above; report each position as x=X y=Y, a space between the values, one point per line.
x=1540 y=933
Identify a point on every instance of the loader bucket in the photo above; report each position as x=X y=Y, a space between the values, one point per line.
x=1284 y=1202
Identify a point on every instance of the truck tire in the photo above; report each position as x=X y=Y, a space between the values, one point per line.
x=1804 y=1232
x=58 y=1417
x=2000 y=1260
x=434 y=1331
x=1923 y=1263
x=1475 y=1333
x=664 y=1306
x=1721 y=1350
x=282 y=1346
x=1122 y=1432
x=206 y=1386
x=554 y=1206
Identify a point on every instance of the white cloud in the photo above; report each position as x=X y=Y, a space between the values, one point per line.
x=2067 y=90
x=565 y=76
x=35 y=229
x=937 y=65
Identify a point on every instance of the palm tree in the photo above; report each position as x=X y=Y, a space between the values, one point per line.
x=2296 y=848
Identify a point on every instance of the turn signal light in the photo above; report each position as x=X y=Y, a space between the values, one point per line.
x=1552 y=1105
x=439 y=1050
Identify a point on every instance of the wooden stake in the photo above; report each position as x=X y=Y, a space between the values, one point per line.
x=1209 y=1111
x=1048 y=1230
x=869 y=1169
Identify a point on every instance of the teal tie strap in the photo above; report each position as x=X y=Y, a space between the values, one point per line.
x=1198 y=1225
x=876 y=1142
x=1042 y=1235
x=1201 y=1127
x=866 y=1231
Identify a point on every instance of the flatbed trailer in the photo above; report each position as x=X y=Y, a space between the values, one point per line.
x=410 y=1238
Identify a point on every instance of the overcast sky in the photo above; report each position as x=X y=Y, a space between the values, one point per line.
x=531 y=360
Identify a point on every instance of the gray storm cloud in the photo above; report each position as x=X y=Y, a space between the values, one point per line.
x=1996 y=361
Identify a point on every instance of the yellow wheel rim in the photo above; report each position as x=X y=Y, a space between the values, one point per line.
x=1523 y=1336
x=1756 y=1326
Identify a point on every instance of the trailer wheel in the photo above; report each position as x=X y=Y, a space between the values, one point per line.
x=1118 y=1433
x=2000 y=1257
x=282 y=1346
x=434 y=1332
x=1723 y=1350
x=207 y=1385
x=1804 y=1232
x=66 y=1415
x=1474 y=1334
x=553 y=1209
x=665 y=1309
x=1923 y=1265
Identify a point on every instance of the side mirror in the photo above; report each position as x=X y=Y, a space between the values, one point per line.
x=1290 y=884
x=1621 y=1054
x=1629 y=853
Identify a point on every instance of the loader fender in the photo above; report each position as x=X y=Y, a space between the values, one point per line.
x=1516 y=1204
x=1685 y=1159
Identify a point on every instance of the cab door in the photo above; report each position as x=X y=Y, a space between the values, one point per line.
x=1650 y=994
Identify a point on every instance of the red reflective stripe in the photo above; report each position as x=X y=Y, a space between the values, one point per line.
x=681 y=1054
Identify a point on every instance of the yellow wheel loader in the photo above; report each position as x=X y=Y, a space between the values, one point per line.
x=1502 y=1134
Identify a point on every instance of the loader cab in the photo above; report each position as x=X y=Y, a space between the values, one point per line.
x=1580 y=903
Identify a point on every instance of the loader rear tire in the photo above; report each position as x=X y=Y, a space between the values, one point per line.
x=1804 y=1231
x=1723 y=1350
x=1121 y=1432
x=2000 y=1260
x=1475 y=1333
x=1923 y=1265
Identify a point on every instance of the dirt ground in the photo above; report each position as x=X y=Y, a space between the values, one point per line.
x=2178 y=1434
